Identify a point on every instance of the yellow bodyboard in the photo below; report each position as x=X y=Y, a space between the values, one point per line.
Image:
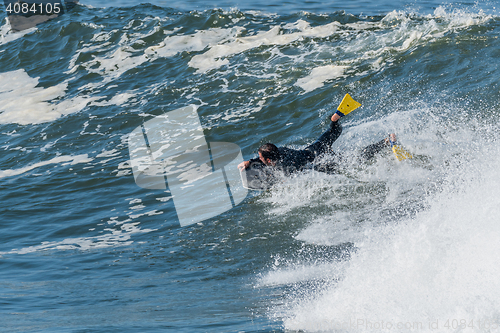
x=348 y=104
x=400 y=153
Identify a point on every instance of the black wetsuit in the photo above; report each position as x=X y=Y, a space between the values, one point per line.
x=293 y=160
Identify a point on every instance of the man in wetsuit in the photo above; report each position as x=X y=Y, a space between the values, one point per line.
x=291 y=160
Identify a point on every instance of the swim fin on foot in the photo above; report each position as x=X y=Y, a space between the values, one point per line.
x=400 y=152
x=347 y=105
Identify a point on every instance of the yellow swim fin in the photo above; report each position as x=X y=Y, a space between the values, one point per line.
x=400 y=153
x=347 y=105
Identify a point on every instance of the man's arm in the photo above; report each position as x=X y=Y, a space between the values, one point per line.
x=325 y=141
x=335 y=117
x=319 y=147
x=246 y=164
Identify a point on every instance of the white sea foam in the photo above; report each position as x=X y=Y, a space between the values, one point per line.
x=308 y=189
x=198 y=41
x=442 y=263
x=292 y=273
x=119 y=233
x=117 y=61
x=115 y=64
x=64 y=160
x=7 y=36
x=378 y=42
x=118 y=99
x=331 y=230
x=397 y=32
x=114 y=238
x=319 y=75
x=108 y=153
x=215 y=56
x=25 y=103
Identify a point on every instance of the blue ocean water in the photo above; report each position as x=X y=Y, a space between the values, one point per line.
x=383 y=246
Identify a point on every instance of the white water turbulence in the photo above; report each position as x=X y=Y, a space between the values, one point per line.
x=24 y=102
x=436 y=270
x=212 y=58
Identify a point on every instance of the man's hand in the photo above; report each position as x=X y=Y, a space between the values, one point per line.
x=243 y=165
x=335 y=117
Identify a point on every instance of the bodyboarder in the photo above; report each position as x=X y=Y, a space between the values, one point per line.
x=290 y=161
